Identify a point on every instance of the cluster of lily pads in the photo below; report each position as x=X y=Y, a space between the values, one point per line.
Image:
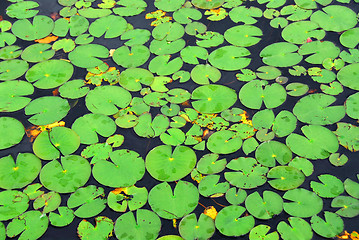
x=132 y=87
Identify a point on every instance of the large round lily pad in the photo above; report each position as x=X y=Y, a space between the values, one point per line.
x=126 y=168
x=20 y=173
x=65 y=177
x=175 y=204
x=213 y=98
x=11 y=132
x=165 y=165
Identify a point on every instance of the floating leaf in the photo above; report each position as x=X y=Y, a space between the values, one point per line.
x=20 y=173
x=264 y=208
x=31 y=225
x=331 y=227
x=191 y=228
x=87 y=200
x=298 y=229
x=303 y=203
x=12 y=131
x=146 y=225
x=319 y=142
x=12 y=204
x=330 y=187
x=65 y=177
x=230 y=223
x=281 y=54
x=165 y=165
x=102 y=230
x=126 y=168
x=348 y=136
x=131 y=197
x=175 y=204
x=40 y=27
x=12 y=93
x=213 y=98
x=229 y=58
x=243 y=35
x=248 y=173
x=315 y=109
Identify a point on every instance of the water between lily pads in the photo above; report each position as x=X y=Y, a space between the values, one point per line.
x=144 y=145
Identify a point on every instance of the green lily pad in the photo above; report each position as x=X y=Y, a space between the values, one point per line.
x=298 y=229
x=346 y=76
x=165 y=165
x=130 y=58
x=40 y=27
x=12 y=69
x=20 y=173
x=281 y=54
x=299 y=32
x=320 y=50
x=190 y=54
x=12 y=204
x=175 y=204
x=230 y=223
x=89 y=125
x=330 y=187
x=245 y=15
x=49 y=202
x=236 y=197
x=132 y=78
x=12 y=131
x=102 y=230
x=349 y=38
x=204 y=4
x=88 y=201
x=76 y=27
x=349 y=207
x=46 y=110
x=112 y=26
x=87 y=56
x=136 y=37
x=229 y=58
x=303 y=165
x=186 y=15
x=126 y=168
x=191 y=228
x=65 y=177
x=264 y=208
x=201 y=74
x=303 y=203
x=335 y=18
x=252 y=94
x=106 y=99
x=348 y=136
x=38 y=52
x=210 y=186
x=30 y=225
x=269 y=152
x=10 y=52
x=12 y=95
x=22 y=9
x=243 y=35
x=74 y=89
x=64 y=218
x=284 y=123
x=213 y=98
x=315 y=109
x=331 y=227
x=209 y=164
x=169 y=5
x=259 y=232
x=319 y=142
x=248 y=173
x=146 y=225
x=161 y=65
x=286 y=177
x=224 y=142
x=131 y=197
x=49 y=74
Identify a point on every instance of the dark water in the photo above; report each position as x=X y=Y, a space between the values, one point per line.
x=144 y=145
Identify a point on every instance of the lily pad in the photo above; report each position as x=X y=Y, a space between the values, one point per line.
x=12 y=204
x=20 y=173
x=12 y=95
x=243 y=35
x=175 y=204
x=49 y=74
x=67 y=176
x=229 y=58
x=102 y=230
x=264 y=208
x=213 y=98
x=191 y=228
x=126 y=168
x=146 y=225
x=328 y=228
x=165 y=165
x=40 y=27
x=130 y=58
x=281 y=54
x=12 y=69
x=47 y=110
x=12 y=131
x=230 y=223
x=286 y=177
